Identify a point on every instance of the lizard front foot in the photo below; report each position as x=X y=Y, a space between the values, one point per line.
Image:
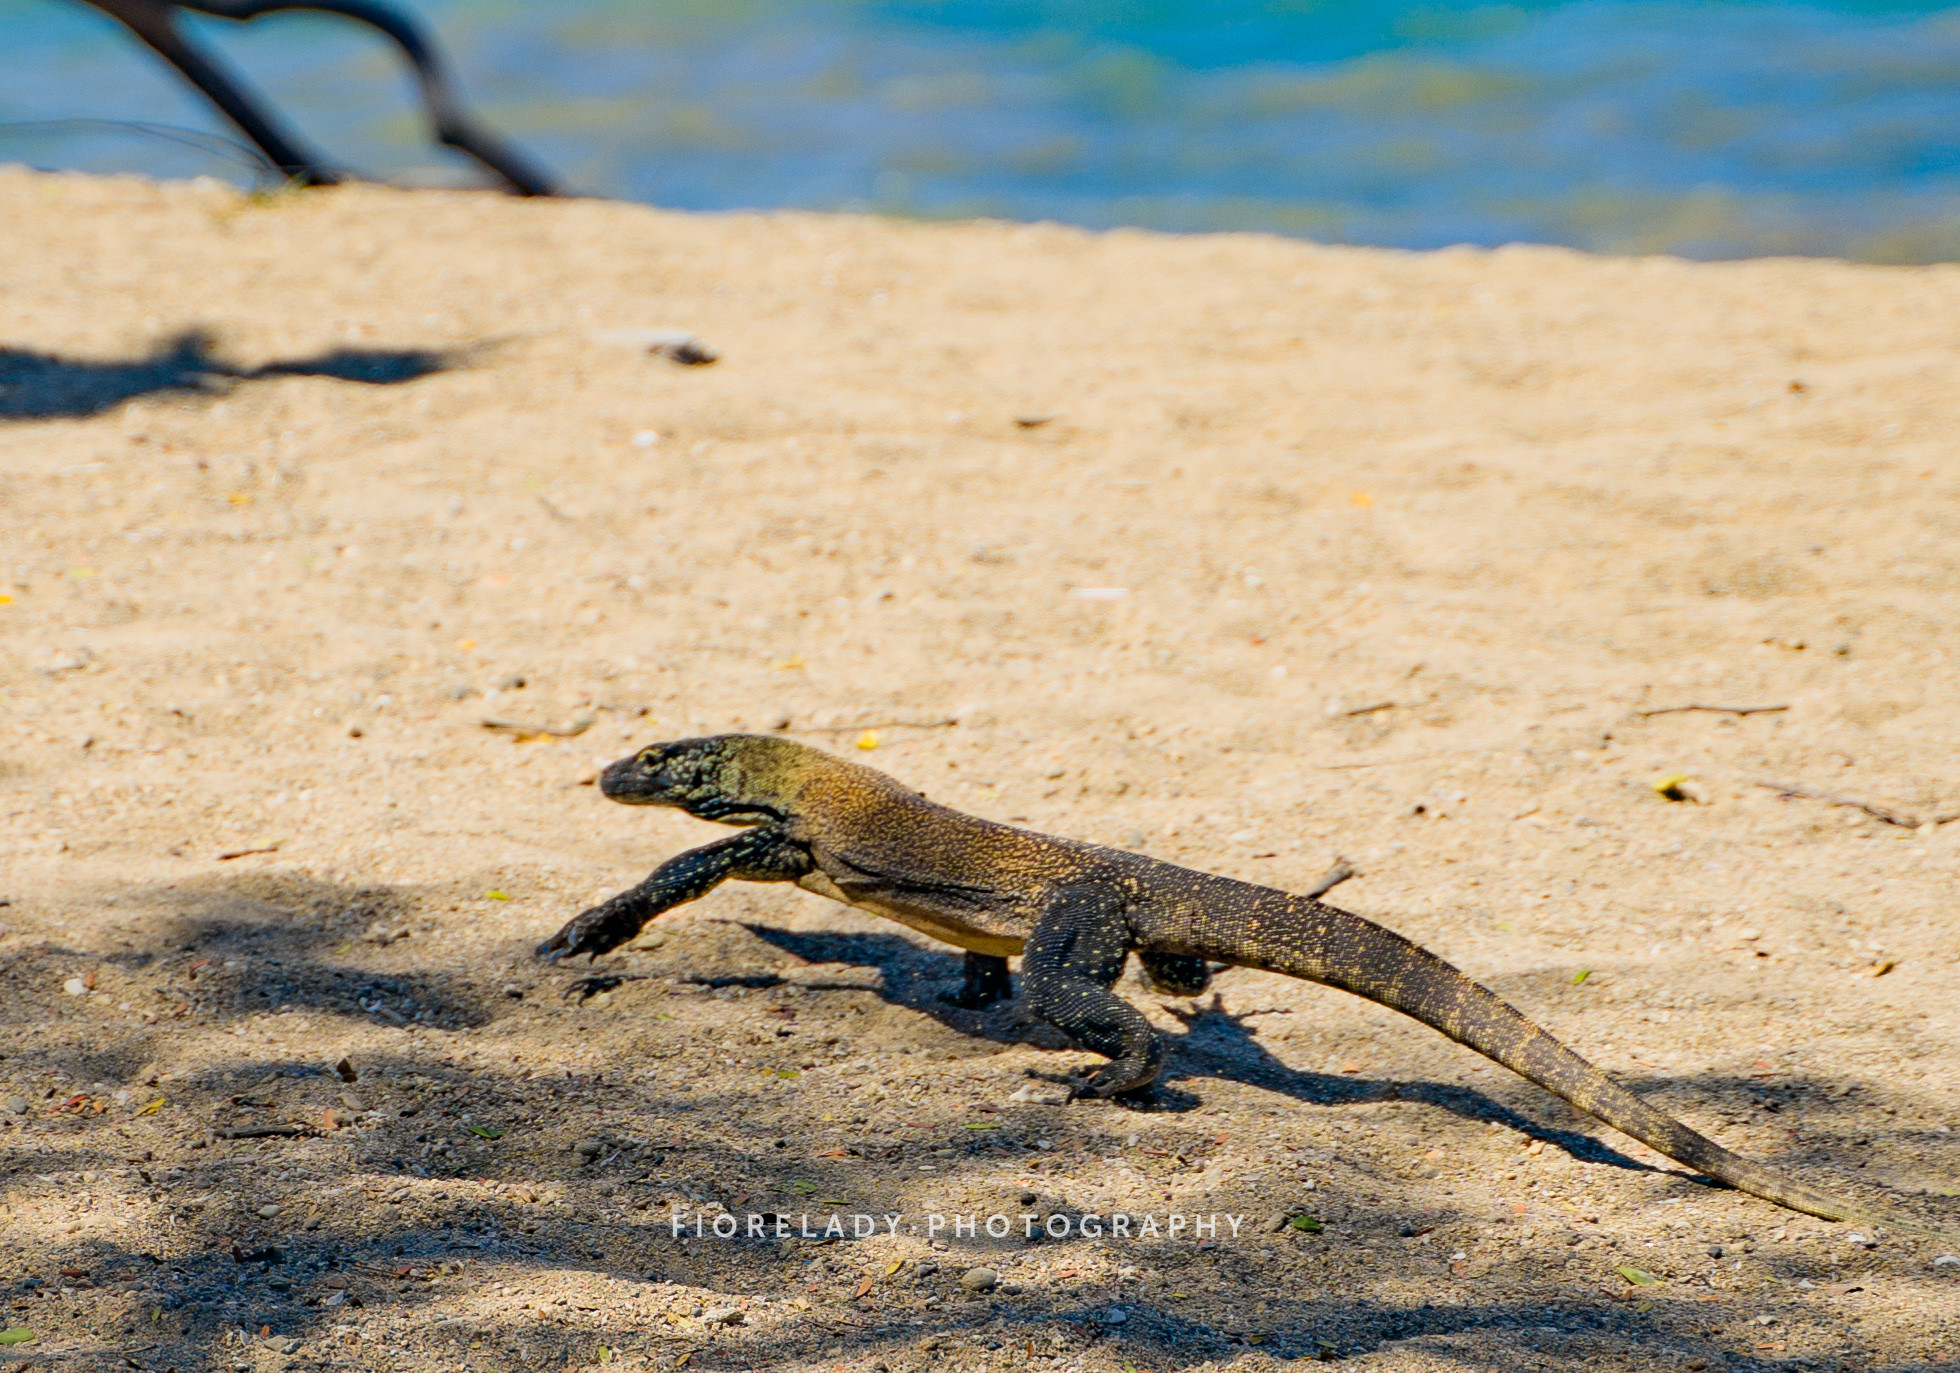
x=599 y=930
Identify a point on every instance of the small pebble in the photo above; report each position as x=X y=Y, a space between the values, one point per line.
x=1943 y=1261
x=726 y=1315
x=1041 y=1094
x=352 y=1102
x=269 y=1210
x=1714 y=1251
x=588 y=1148
x=1029 y=1198
x=513 y=991
x=74 y=986
x=1117 y=1315
x=17 y=1104
x=979 y=1279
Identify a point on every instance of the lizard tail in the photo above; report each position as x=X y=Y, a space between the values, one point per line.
x=1321 y=943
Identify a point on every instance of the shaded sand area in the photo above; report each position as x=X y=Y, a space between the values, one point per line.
x=1248 y=553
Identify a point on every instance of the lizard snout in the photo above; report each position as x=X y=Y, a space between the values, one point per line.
x=633 y=782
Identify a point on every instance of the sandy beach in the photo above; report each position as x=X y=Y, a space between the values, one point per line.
x=344 y=534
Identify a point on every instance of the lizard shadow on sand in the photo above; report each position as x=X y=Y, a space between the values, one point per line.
x=36 y=385
x=1216 y=1044
x=1222 y=1046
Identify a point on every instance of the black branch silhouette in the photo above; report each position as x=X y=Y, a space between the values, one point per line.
x=155 y=23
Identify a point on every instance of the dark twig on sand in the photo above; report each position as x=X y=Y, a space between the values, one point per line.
x=1712 y=710
x=1891 y=815
x=261 y=1132
x=1333 y=878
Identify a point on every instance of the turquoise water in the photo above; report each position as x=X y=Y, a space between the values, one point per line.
x=1711 y=130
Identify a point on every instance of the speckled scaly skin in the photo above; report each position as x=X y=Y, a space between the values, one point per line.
x=1074 y=912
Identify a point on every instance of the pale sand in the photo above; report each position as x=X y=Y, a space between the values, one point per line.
x=1406 y=542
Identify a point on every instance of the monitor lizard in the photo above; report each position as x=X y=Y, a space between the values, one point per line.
x=1074 y=911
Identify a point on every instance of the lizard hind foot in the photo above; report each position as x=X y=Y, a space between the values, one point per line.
x=1128 y=1079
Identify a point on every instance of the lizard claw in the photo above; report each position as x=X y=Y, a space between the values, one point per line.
x=598 y=930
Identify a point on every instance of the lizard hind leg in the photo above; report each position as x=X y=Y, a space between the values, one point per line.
x=986 y=981
x=1073 y=956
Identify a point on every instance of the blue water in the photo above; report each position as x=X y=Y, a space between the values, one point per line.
x=1711 y=130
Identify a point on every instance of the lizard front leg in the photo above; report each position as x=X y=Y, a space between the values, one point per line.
x=1072 y=958
x=762 y=854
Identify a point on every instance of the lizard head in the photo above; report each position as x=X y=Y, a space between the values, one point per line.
x=738 y=779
